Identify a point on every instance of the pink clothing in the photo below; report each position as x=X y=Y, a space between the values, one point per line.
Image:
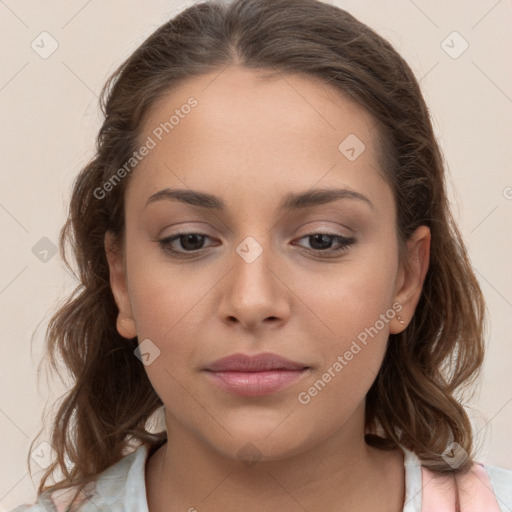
x=475 y=492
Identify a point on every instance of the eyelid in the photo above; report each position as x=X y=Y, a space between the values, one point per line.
x=326 y=231
x=329 y=220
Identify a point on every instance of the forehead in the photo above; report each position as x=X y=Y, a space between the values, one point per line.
x=248 y=131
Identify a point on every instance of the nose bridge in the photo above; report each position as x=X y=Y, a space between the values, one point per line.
x=253 y=292
x=251 y=264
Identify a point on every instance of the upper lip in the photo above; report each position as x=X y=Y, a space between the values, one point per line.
x=258 y=363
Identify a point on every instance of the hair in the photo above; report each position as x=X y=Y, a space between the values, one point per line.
x=413 y=400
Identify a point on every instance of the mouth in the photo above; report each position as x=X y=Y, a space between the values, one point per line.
x=258 y=375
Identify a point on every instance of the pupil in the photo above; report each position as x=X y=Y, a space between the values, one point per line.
x=324 y=238
x=187 y=238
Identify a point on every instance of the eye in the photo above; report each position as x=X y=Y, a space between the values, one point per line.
x=322 y=243
x=189 y=242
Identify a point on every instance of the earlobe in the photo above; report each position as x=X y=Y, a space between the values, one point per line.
x=125 y=322
x=411 y=277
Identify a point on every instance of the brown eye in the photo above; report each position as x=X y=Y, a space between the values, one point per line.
x=189 y=242
x=323 y=242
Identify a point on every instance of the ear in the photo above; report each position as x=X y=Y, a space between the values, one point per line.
x=411 y=276
x=125 y=322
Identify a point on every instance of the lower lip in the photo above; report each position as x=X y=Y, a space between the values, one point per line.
x=256 y=383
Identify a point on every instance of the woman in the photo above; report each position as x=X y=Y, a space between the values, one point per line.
x=265 y=249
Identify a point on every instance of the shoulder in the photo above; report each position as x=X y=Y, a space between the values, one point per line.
x=501 y=482
x=482 y=487
x=107 y=489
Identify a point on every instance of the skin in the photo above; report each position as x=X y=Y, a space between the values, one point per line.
x=251 y=141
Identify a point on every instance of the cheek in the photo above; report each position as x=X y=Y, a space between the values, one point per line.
x=353 y=308
x=350 y=296
x=169 y=309
x=165 y=296
x=351 y=356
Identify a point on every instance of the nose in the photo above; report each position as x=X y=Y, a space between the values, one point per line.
x=255 y=291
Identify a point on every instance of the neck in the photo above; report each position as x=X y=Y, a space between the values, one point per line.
x=341 y=473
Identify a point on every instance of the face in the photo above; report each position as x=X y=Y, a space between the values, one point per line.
x=258 y=269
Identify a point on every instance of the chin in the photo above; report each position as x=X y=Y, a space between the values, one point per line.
x=263 y=442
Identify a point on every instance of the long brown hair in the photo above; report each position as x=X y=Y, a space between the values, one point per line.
x=413 y=400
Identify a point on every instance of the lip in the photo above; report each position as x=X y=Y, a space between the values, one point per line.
x=264 y=361
x=258 y=375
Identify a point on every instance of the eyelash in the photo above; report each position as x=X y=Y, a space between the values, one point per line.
x=343 y=241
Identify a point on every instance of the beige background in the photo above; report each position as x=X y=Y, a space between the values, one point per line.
x=50 y=118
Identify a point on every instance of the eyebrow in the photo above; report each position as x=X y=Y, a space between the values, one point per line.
x=291 y=201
